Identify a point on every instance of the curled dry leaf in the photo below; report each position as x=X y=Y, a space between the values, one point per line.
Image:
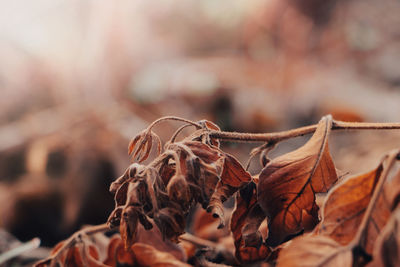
x=140 y=146
x=288 y=185
x=233 y=178
x=314 y=251
x=345 y=206
x=128 y=226
x=245 y=222
x=208 y=125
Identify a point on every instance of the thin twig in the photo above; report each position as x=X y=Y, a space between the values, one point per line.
x=173 y=118
x=30 y=245
x=280 y=136
x=172 y=140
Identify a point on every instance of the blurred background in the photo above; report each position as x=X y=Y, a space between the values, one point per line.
x=78 y=79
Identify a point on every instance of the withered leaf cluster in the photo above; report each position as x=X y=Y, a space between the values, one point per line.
x=194 y=170
x=276 y=218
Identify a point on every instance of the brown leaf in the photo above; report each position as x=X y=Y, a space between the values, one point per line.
x=245 y=222
x=146 y=255
x=387 y=246
x=345 y=206
x=171 y=221
x=211 y=126
x=372 y=211
x=204 y=226
x=128 y=226
x=314 y=251
x=206 y=153
x=153 y=237
x=233 y=178
x=81 y=254
x=141 y=145
x=288 y=185
x=179 y=191
x=117 y=255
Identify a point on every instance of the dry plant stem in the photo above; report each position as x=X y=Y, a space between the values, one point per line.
x=280 y=136
x=30 y=245
x=173 y=118
x=178 y=132
x=91 y=230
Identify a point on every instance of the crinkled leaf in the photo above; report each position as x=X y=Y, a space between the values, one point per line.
x=245 y=222
x=233 y=177
x=140 y=146
x=128 y=226
x=206 y=153
x=179 y=191
x=288 y=185
x=130 y=172
x=171 y=222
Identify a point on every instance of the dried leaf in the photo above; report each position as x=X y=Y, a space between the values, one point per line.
x=387 y=246
x=204 y=226
x=211 y=126
x=345 y=206
x=81 y=254
x=117 y=255
x=130 y=173
x=179 y=191
x=171 y=221
x=128 y=226
x=146 y=255
x=245 y=222
x=153 y=237
x=140 y=146
x=314 y=251
x=233 y=178
x=288 y=185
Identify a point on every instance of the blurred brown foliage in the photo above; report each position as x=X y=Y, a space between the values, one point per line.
x=78 y=79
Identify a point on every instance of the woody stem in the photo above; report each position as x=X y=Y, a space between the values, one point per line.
x=280 y=136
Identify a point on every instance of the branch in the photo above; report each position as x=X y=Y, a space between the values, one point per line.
x=30 y=245
x=173 y=118
x=280 y=136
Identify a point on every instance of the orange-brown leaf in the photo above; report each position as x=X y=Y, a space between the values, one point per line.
x=233 y=177
x=314 y=251
x=345 y=206
x=117 y=255
x=288 y=184
x=245 y=221
x=387 y=246
x=128 y=226
x=146 y=255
